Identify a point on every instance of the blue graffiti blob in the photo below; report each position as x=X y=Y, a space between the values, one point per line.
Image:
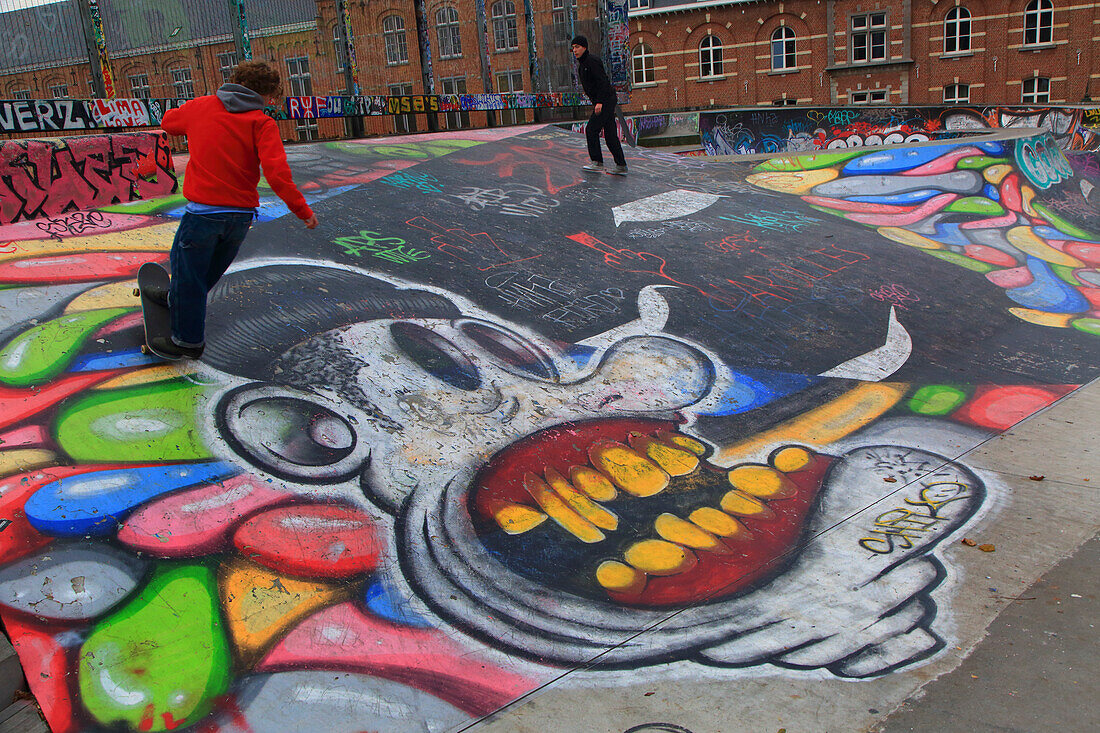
x=384 y=601
x=94 y=503
x=991 y=192
x=755 y=388
x=899 y=199
x=1050 y=233
x=893 y=161
x=116 y=360
x=1048 y=292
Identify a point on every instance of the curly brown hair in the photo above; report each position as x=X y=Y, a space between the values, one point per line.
x=259 y=77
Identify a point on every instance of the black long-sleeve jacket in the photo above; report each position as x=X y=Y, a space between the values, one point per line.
x=594 y=80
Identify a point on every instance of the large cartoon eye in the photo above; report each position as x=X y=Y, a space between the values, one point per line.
x=436 y=355
x=512 y=350
x=290 y=437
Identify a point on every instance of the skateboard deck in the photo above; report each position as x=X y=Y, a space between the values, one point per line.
x=153 y=315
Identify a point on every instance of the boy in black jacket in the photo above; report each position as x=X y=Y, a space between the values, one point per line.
x=598 y=87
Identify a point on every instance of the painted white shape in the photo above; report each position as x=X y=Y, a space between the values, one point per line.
x=664 y=206
x=652 y=315
x=880 y=363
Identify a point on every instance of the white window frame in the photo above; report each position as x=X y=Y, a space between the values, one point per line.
x=183 y=85
x=405 y=122
x=24 y=93
x=642 y=60
x=507 y=83
x=505 y=28
x=307 y=129
x=956 y=94
x=397 y=46
x=339 y=47
x=868 y=96
x=638 y=4
x=448 y=32
x=1039 y=22
x=299 y=77
x=455 y=85
x=784 y=48
x=1035 y=90
x=710 y=57
x=557 y=11
x=227 y=64
x=862 y=31
x=139 y=85
x=956 y=30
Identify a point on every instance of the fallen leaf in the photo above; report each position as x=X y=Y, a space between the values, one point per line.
x=969 y=542
x=986 y=548
x=647 y=694
x=890 y=480
x=1036 y=478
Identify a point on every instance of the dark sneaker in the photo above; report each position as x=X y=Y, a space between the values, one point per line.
x=157 y=295
x=165 y=346
x=593 y=167
x=617 y=170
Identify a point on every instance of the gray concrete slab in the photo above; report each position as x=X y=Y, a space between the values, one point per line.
x=1033 y=654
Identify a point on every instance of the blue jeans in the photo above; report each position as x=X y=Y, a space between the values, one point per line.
x=203 y=249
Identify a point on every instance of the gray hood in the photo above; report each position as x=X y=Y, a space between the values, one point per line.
x=237 y=98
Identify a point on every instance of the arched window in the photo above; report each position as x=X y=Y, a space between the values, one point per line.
x=1035 y=90
x=397 y=48
x=505 y=36
x=956 y=94
x=446 y=24
x=1039 y=22
x=339 y=48
x=710 y=57
x=784 y=55
x=956 y=31
x=644 y=72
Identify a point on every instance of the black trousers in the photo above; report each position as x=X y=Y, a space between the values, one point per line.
x=604 y=122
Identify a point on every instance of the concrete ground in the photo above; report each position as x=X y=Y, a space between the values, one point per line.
x=1033 y=602
x=357 y=540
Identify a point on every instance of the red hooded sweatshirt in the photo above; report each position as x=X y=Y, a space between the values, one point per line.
x=230 y=138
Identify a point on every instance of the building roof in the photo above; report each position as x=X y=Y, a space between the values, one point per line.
x=51 y=35
x=660 y=7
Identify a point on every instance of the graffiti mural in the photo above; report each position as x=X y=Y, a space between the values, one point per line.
x=977 y=206
x=800 y=129
x=49 y=177
x=483 y=427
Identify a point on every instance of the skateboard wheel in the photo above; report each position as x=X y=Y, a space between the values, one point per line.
x=144 y=349
x=137 y=292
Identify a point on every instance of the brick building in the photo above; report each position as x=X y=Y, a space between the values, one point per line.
x=685 y=55
x=184 y=48
x=706 y=54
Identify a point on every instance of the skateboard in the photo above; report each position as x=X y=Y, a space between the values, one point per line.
x=153 y=315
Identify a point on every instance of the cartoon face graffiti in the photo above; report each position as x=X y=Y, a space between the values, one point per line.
x=553 y=500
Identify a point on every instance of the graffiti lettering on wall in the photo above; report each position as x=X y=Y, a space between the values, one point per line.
x=400 y=492
x=45 y=115
x=50 y=177
x=749 y=131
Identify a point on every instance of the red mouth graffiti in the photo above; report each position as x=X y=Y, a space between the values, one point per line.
x=629 y=510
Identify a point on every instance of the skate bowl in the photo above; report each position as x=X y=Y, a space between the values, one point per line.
x=499 y=426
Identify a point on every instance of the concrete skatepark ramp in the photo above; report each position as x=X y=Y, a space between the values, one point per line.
x=497 y=427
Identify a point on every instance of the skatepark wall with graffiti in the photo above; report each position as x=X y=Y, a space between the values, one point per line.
x=48 y=177
x=800 y=129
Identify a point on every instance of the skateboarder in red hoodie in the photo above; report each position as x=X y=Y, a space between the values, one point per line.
x=230 y=139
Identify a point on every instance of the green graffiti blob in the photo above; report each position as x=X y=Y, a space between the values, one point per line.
x=160 y=661
x=43 y=351
x=147 y=423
